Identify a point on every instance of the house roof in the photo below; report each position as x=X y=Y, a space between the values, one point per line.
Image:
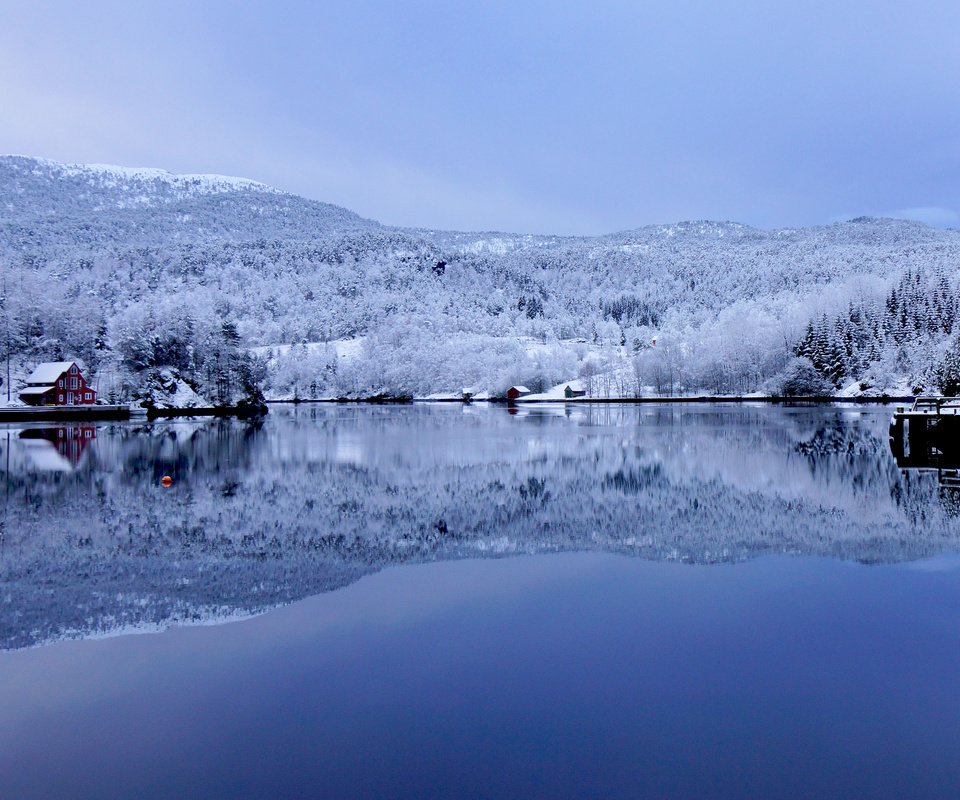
x=521 y=389
x=49 y=371
x=31 y=390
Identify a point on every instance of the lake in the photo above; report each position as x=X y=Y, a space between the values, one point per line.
x=478 y=601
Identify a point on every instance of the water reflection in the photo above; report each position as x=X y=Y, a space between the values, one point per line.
x=309 y=499
x=58 y=449
x=930 y=443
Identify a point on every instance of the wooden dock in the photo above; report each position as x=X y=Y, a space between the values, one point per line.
x=64 y=413
x=927 y=436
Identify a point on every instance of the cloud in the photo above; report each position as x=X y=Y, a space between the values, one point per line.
x=505 y=116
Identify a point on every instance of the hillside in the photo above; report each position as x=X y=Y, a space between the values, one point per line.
x=130 y=270
x=47 y=205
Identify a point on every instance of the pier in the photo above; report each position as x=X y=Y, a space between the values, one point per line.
x=89 y=413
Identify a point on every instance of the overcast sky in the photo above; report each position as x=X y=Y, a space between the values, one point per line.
x=552 y=117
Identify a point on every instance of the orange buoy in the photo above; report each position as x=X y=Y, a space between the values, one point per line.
x=167 y=481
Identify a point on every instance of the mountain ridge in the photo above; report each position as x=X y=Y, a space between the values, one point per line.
x=100 y=204
x=111 y=176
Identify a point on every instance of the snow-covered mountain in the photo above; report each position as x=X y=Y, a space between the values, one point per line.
x=46 y=204
x=152 y=264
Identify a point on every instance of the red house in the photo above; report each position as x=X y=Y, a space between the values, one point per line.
x=57 y=383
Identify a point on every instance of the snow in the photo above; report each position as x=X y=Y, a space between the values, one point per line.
x=48 y=372
x=852 y=389
x=557 y=392
x=495 y=245
x=897 y=387
x=442 y=396
x=343 y=348
x=111 y=175
x=185 y=397
x=170 y=390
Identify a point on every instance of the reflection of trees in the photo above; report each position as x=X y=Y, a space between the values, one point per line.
x=219 y=446
x=855 y=455
x=263 y=514
x=949 y=501
x=923 y=500
x=632 y=481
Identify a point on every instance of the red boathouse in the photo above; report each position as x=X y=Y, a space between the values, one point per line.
x=57 y=383
x=515 y=392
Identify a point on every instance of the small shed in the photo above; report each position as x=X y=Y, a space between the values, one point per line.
x=515 y=392
x=569 y=392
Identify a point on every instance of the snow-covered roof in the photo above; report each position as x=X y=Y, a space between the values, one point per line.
x=49 y=371
x=32 y=390
x=520 y=389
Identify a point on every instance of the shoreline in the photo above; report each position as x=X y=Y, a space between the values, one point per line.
x=240 y=412
x=738 y=399
x=90 y=413
x=123 y=413
x=118 y=413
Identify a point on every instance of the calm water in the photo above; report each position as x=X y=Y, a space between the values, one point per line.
x=634 y=601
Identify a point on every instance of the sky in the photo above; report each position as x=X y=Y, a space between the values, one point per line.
x=540 y=117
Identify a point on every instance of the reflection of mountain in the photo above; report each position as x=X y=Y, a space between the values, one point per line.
x=309 y=500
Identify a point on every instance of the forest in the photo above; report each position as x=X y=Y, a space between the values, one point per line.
x=234 y=290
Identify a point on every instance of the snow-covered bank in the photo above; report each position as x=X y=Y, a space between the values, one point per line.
x=338 y=371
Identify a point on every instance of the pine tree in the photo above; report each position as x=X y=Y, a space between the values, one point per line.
x=805 y=346
x=836 y=368
x=947 y=372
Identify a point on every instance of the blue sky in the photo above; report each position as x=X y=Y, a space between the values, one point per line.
x=545 y=117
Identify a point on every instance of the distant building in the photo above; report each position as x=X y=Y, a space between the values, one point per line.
x=517 y=391
x=569 y=392
x=57 y=383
